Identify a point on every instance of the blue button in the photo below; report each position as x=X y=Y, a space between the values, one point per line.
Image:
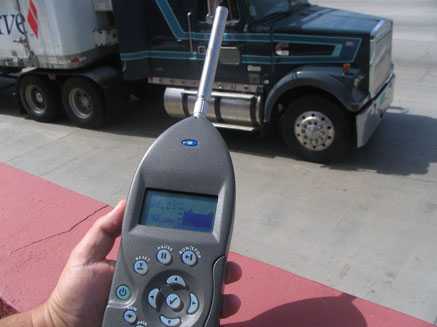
x=153 y=297
x=174 y=301
x=164 y=256
x=123 y=292
x=170 y=322
x=190 y=143
x=176 y=280
x=130 y=316
x=194 y=304
x=189 y=258
x=141 y=267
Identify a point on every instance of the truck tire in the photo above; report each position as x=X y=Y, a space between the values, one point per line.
x=317 y=129
x=83 y=102
x=39 y=98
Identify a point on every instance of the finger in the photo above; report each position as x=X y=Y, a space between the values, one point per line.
x=111 y=263
x=111 y=222
x=231 y=305
x=100 y=239
x=233 y=272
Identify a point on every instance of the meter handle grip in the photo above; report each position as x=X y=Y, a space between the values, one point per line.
x=218 y=275
x=211 y=62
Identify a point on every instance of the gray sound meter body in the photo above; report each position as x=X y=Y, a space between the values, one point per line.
x=178 y=222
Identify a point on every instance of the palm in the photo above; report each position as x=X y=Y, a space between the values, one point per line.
x=82 y=292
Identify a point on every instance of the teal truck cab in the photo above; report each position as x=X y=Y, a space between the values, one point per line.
x=323 y=76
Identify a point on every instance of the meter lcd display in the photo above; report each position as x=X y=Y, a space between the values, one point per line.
x=179 y=211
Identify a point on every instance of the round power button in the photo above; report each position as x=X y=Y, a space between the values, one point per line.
x=123 y=292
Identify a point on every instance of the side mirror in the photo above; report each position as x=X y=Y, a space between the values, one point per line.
x=212 y=6
x=190 y=31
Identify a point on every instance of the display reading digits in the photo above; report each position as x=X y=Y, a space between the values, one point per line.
x=179 y=211
x=178 y=222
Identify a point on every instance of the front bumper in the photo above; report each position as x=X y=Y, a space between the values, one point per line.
x=369 y=119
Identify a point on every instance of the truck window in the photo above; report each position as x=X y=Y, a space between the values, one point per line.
x=262 y=8
x=233 y=10
x=232 y=5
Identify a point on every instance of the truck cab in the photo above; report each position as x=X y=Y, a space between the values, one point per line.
x=323 y=76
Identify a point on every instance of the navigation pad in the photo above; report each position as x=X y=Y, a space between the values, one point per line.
x=171 y=297
x=173 y=300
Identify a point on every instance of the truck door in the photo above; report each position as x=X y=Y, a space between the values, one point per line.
x=245 y=57
x=231 y=69
x=170 y=56
x=179 y=35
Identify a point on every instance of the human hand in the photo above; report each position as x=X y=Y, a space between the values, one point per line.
x=80 y=297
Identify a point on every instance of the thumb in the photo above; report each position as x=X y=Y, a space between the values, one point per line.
x=99 y=240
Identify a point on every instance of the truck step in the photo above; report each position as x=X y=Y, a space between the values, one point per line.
x=237 y=127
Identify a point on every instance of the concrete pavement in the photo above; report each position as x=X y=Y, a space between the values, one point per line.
x=366 y=226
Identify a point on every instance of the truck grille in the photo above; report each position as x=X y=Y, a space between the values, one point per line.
x=380 y=56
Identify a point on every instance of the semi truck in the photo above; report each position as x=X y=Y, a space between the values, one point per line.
x=323 y=77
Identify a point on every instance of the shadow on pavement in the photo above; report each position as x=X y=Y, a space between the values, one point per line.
x=326 y=311
x=404 y=144
x=8 y=101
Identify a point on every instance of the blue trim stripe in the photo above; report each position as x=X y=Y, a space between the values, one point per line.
x=337 y=50
x=180 y=34
x=153 y=54
x=169 y=17
x=346 y=48
x=245 y=59
x=257 y=60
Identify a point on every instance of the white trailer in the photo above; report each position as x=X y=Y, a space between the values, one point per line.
x=60 y=44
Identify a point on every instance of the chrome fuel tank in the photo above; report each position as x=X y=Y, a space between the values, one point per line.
x=225 y=107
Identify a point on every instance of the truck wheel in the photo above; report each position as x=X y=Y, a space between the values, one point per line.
x=83 y=102
x=39 y=98
x=317 y=129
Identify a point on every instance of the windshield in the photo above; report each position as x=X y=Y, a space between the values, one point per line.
x=262 y=8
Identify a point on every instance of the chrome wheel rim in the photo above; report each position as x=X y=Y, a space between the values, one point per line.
x=314 y=131
x=81 y=103
x=35 y=99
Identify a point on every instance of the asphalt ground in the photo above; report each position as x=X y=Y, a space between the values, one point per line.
x=366 y=226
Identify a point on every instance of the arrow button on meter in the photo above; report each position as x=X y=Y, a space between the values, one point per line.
x=130 y=316
x=194 y=304
x=170 y=322
x=152 y=298
x=176 y=280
